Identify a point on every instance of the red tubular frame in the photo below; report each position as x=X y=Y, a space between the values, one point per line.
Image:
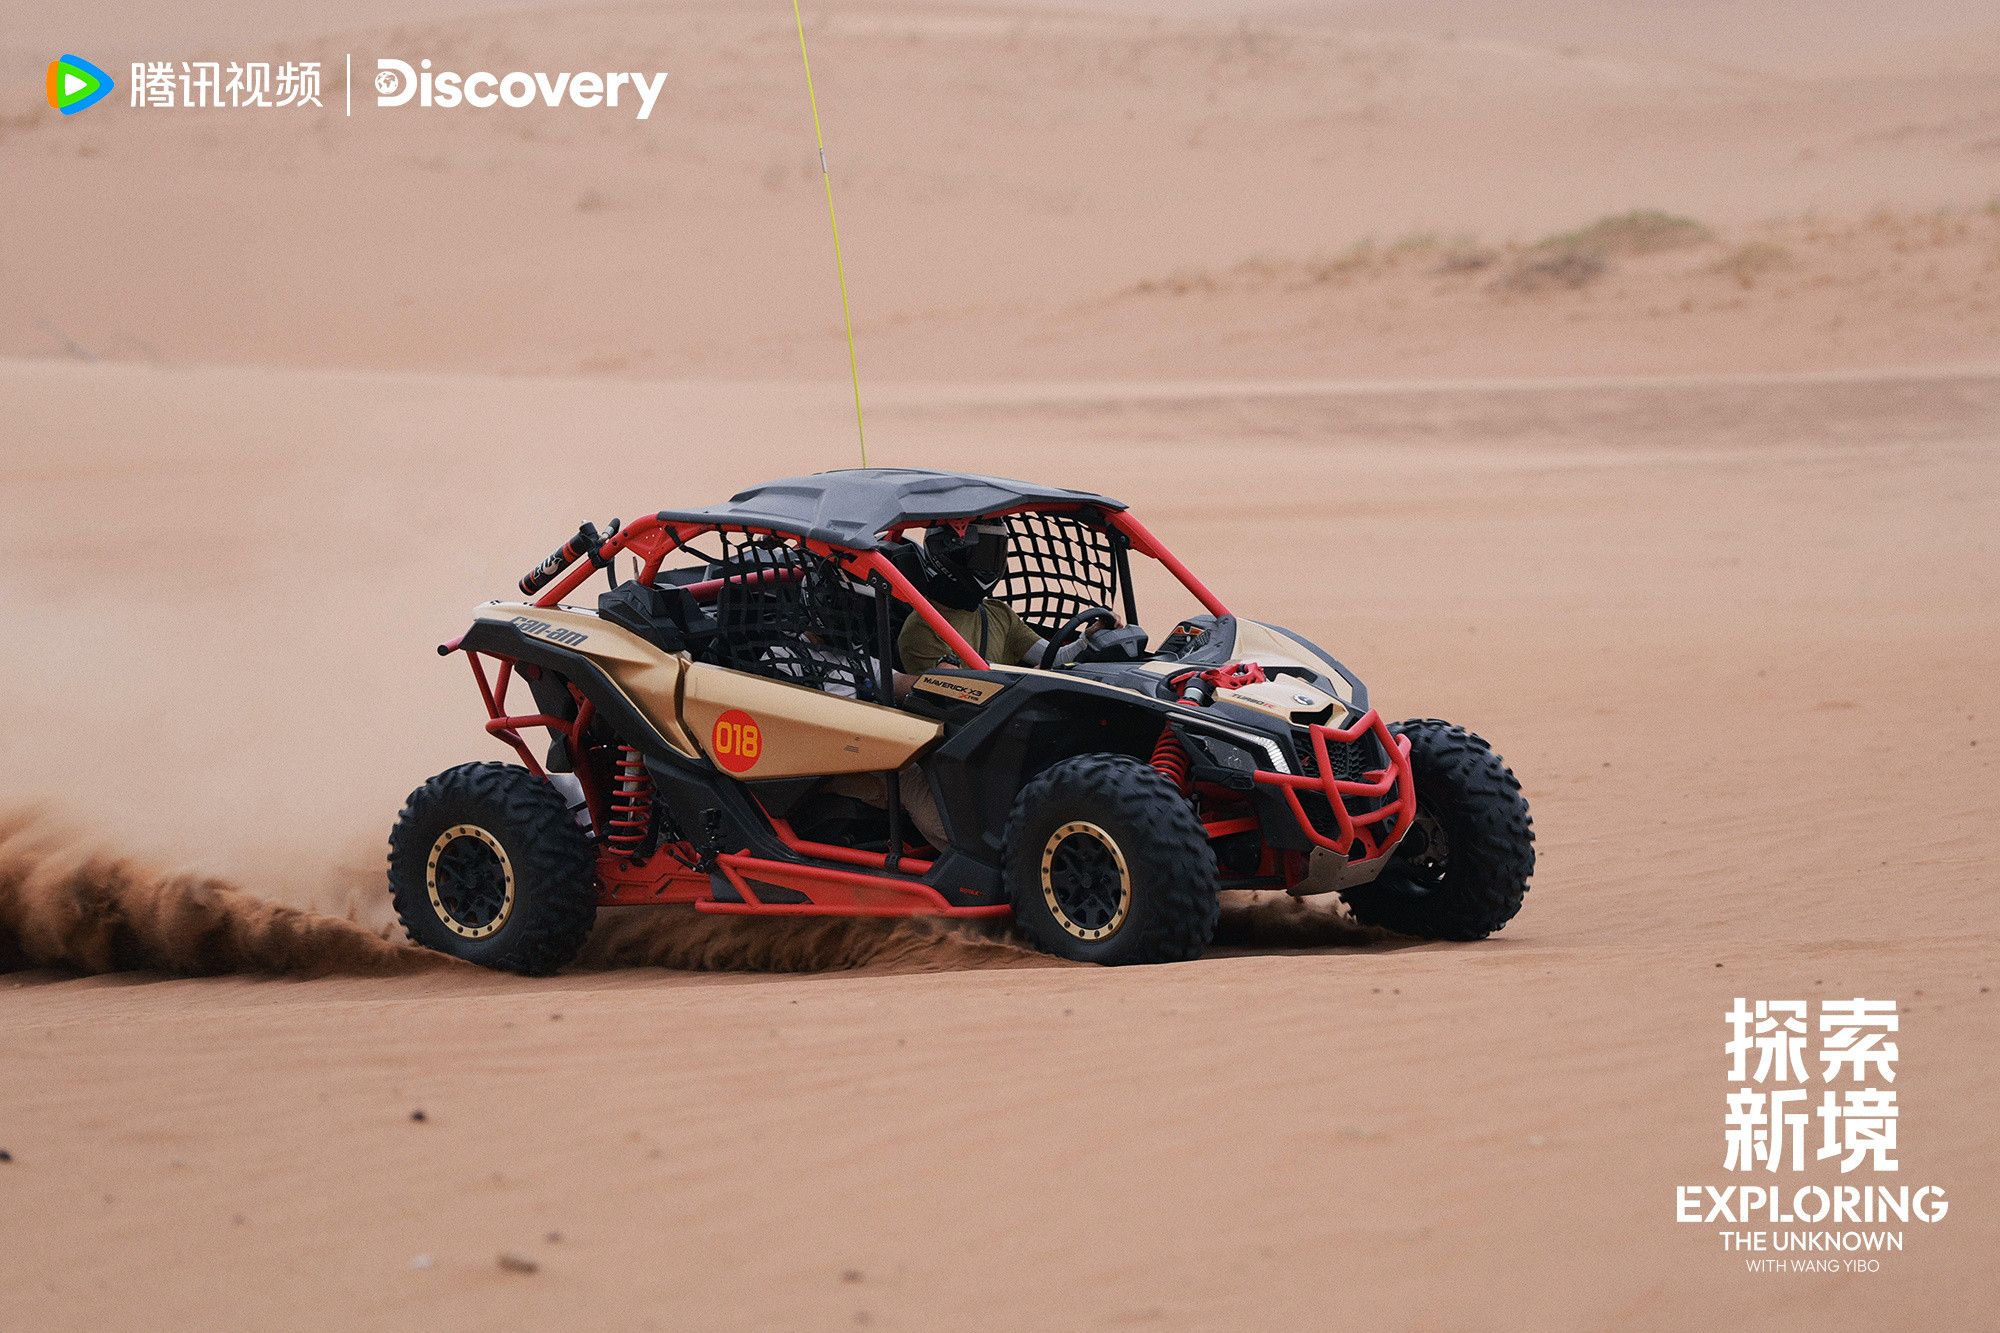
x=708 y=588
x=874 y=562
x=508 y=728
x=652 y=539
x=658 y=879
x=1380 y=782
x=834 y=892
x=648 y=538
x=1145 y=543
x=827 y=851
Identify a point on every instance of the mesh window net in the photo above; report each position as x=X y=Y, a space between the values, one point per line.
x=788 y=614
x=1057 y=565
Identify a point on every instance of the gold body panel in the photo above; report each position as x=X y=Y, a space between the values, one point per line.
x=801 y=732
x=1289 y=698
x=1261 y=644
x=649 y=678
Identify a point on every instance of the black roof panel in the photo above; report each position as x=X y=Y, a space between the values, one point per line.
x=853 y=506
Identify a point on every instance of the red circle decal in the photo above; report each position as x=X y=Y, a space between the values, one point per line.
x=737 y=742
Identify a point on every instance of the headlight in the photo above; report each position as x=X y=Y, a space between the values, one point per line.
x=1278 y=764
x=1251 y=750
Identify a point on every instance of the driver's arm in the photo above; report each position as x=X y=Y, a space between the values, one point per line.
x=1066 y=654
x=919 y=646
x=1025 y=647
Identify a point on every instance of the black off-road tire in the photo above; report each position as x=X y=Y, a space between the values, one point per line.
x=1467 y=793
x=1156 y=851
x=519 y=834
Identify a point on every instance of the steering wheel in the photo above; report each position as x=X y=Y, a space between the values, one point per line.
x=1131 y=641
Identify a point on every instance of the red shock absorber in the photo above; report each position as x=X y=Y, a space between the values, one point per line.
x=1170 y=757
x=1196 y=689
x=631 y=803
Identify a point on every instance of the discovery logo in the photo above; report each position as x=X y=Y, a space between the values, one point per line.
x=75 y=84
x=397 y=82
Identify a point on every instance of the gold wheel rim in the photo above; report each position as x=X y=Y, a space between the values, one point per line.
x=452 y=923
x=1083 y=828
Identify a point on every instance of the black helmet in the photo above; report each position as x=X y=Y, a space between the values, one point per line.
x=961 y=569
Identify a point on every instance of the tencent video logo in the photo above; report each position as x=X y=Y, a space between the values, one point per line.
x=235 y=85
x=75 y=83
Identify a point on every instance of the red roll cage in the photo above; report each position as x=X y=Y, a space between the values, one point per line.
x=652 y=539
x=874 y=885
x=852 y=882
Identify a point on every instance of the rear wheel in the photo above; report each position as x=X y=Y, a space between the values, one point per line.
x=487 y=864
x=1461 y=870
x=1106 y=863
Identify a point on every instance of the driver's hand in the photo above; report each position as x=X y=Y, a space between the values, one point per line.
x=1097 y=625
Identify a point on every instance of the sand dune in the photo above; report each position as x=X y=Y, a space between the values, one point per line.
x=1758 y=750
x=1692 y=521
x=1058 y=157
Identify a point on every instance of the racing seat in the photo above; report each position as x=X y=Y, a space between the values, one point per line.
x=665 y=615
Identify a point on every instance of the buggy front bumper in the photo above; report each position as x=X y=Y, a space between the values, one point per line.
x=1356 y=819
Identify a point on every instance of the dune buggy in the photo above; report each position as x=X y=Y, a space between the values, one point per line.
x=729 y=724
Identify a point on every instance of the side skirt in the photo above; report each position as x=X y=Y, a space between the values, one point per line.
x=760 y=886
x=830 y=892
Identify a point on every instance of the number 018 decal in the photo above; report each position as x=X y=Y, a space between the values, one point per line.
x=737 y=742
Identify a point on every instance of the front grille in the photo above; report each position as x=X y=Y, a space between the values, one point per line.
x=1352 y=760
x=1319 y=813
x=1364 y=818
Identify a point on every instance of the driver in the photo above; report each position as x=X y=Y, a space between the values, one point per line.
x=960 y=573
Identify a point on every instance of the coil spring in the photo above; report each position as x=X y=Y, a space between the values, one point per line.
x=1170 y=757
x=631 y=803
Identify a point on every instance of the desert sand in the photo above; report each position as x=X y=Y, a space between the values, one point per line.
x=1690 y=512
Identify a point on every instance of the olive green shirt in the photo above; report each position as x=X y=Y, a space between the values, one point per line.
x=994 y=631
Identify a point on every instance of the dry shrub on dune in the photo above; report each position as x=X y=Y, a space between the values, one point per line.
x=1465 y=256
x=1571 y=260
x=1643 y=231
x=1751 y=260
x=1559 y=270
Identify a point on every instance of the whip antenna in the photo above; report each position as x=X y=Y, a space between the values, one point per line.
x=833 y=224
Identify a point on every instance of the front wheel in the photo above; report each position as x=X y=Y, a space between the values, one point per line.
x=1461 y=870
x=487 y=864
x=1106 y=863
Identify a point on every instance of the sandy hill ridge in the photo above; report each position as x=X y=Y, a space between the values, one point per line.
x=997 y=167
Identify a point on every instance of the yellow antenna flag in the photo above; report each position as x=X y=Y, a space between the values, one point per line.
x=833 y=222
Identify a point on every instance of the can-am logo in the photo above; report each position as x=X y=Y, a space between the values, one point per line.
x=398 y=82
x=542 y=629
